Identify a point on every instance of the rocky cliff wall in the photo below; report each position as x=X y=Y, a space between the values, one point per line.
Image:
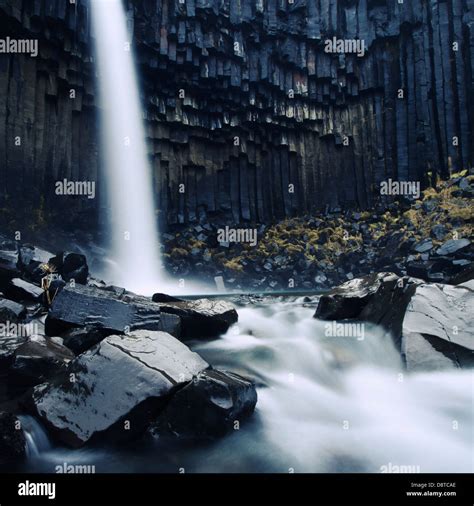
x=246 y=114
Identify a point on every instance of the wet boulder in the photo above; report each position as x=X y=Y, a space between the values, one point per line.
x=201 y=317
x=12 y=439
x=71 y=266
x=211 y=405
x=8 y=346
x=11 y=311
x=115 y=386
x=80 y=339
x=378 y=298
x=21 y=290
x=37 y=359
x=437 y=327
x=32 y=261
x=87 y=306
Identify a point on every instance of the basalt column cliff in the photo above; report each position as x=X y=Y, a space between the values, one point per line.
x=250 y=112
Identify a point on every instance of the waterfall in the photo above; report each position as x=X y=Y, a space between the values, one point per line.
x=133 y=222
x=37 y=440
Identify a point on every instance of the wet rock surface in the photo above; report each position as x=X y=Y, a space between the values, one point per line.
x=112 y=381
x=222 y=400
x=202 y=317
x=431 y=324
x=438 y=327
x=12 y=439
x=86 y=306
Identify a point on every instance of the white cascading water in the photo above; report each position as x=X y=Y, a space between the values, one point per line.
x=325 y=404
x=135 y=243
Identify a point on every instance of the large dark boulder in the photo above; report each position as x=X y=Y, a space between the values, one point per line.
x=86 y=306
x=122 y=379
x=12 y=439
x=201 y=317
x=211 y=405
x=71 y=266
x=438 y=327
x=378 y=298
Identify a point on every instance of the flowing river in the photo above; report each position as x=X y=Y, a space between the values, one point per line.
x=326 y=404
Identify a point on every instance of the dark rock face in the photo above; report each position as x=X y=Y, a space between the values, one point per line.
x=30 y=260
x=11 y=311
x=453 y=246
x=431 y=324
x=85 y=306
x=111 y=382
x=12 y=439
x=8 y=347
x=38 y=359
x=202 y=317
x=8 y=266
x=264 y=105
x=81 y=339
x=71 y=266
x=208 y=406
x=380 y=298
x=21 y=290
x=437 y=327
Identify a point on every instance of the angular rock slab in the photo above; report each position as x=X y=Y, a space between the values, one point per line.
x=208 y=406
x=86 y=306
x=111 y=382
x=200 y=318
x=438 y=328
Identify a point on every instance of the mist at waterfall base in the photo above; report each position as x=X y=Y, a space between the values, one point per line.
x=310 y=387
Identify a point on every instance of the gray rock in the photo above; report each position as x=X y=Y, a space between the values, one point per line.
x=114 y=382
x=437 y=327
x=423 y=246
x=11 y=311
x=202 y=317
x=438 y=231
x=21 y=290
x=453 y=246
x=85 y=306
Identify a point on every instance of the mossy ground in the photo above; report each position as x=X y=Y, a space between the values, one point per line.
x=329 y=243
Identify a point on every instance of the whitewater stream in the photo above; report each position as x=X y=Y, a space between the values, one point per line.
x=325 y=404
